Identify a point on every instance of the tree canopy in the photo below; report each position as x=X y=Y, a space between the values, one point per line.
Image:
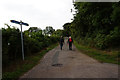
x=96 y=24
x=48 y=30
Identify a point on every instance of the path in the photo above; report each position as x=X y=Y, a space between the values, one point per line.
x=71 y=64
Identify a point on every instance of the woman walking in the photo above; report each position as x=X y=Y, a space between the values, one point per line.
x=70 y=41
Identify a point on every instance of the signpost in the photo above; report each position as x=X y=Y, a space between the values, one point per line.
x=21 y=23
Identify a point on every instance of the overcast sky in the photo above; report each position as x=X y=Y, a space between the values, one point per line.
x=37 y=13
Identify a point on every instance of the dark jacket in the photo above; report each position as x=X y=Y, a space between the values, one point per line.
x=61 y=40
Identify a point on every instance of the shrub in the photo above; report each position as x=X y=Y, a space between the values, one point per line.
x=11 y=44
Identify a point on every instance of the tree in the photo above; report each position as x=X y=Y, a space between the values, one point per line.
x=94 y=22
x=58 y=33
x=34 y=29
x=66 y=28
x=48 y=31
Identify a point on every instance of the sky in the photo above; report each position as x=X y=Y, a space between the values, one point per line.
x=37 y=13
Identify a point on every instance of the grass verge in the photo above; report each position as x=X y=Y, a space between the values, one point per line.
x=101 y=56
x=26 y=65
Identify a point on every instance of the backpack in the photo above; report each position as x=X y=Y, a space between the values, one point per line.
x=70 y=40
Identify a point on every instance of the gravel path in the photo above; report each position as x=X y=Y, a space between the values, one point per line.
x=71 y=64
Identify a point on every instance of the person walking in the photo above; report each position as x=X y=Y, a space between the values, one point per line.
x=61 y=42
x=70 y=41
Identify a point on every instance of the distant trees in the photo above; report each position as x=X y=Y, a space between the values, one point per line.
x=34 y=29
x=48 y=31
x=96 y=24
x=66 y=28
x=58 y=33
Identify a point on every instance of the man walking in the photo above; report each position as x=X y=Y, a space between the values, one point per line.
x=61 y=42
x=70 y=41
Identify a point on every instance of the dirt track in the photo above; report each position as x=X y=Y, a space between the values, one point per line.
x=71 y=64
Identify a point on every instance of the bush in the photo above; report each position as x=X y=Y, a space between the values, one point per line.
x=11 y=44
x=113 y=38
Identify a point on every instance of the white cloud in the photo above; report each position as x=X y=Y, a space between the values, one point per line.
x=39 y=13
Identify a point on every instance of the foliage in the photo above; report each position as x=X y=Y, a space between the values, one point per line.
x=96 y=24
x=48 y=31
x=34 y=41
x=11 y=45
x=66 y=31
x=58 y=33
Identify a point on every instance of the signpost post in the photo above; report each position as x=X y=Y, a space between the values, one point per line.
x=21 y=23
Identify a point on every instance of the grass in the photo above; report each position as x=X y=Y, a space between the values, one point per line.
x=23 y=66
x=101 y=56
